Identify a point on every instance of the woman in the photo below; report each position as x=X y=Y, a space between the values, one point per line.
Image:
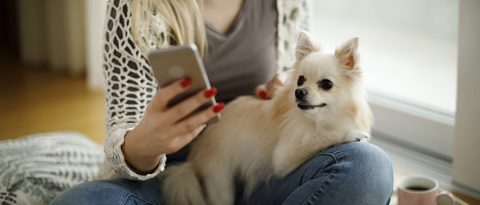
x=244 y=43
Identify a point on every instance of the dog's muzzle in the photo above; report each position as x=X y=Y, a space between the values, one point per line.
x=301 y=95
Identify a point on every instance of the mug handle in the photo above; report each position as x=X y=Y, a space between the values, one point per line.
x=445 y=198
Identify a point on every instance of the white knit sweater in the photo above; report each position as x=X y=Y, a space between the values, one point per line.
x=130 y=83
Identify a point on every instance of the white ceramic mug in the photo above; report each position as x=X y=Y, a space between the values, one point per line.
x=422 y=191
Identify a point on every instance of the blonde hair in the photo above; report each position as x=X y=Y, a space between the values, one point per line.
x=183 y=18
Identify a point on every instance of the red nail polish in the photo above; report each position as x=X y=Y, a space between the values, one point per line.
x=210 y=92
x=218 y=107
x=186 y=82
x=263 y=94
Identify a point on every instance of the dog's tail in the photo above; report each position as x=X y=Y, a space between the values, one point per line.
x=182 y=186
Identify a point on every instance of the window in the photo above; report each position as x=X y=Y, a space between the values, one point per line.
x=408 y=51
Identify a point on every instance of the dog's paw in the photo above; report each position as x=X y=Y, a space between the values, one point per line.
x=360 y=135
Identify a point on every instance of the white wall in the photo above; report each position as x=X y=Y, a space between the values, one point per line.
x=466 y=162
x=95 y=15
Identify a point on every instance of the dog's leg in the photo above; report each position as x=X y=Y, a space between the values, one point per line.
x=284 y=159
x=289 y=155
x=219 y=186
x=181 y=186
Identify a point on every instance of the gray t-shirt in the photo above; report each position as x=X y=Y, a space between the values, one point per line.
x=243 y=57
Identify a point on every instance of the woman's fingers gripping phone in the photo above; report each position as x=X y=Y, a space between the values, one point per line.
x=186 y=107
x=165 y=94
x=189 y=125
x=183 y=140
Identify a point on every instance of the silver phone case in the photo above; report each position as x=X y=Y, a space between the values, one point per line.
x=177 y=62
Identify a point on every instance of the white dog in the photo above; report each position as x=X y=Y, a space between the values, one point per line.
x=323 y=103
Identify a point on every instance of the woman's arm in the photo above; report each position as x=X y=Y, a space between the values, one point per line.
x=141 y=129
x=129 y=85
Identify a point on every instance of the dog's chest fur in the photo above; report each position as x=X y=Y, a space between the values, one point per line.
x=301 y=139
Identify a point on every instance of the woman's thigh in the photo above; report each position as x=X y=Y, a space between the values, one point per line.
x=351 y=173
x=115 y=192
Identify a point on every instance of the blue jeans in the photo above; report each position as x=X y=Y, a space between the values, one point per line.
x=351 y=173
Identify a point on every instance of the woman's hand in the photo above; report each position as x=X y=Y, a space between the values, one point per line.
x=164 y=130
x=267 y=90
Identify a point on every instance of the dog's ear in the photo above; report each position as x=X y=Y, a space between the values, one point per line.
x=347 y=54
x=305 y=45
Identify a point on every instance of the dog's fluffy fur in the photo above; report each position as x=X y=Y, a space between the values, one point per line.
x=258 y=139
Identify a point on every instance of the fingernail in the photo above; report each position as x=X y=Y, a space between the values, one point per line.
x=263 y=94
x=186 y=82
x=218 y=107
x=210 y=92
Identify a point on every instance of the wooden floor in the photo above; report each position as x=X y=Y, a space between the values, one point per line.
x=34 y=100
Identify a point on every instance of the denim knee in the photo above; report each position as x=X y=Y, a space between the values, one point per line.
x=372 y=169
x=368 y=161
x=361 y=173
x=99 y=192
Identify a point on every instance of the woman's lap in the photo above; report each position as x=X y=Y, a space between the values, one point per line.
x=114 y=192
x=351 y=173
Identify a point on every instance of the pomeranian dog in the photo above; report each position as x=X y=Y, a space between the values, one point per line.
x=321 y=104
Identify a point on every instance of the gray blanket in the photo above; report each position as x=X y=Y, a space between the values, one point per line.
x=36 y=168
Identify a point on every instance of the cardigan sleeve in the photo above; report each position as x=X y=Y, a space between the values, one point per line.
x=293 y=16
x=130 y=85
x=306 y=19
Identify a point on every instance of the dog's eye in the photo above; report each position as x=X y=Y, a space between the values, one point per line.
x=301 y=80
x=325 y=84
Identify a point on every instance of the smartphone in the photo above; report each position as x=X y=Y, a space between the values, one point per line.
x=177 y=62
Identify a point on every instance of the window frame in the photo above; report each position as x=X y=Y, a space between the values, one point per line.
x=420 y=128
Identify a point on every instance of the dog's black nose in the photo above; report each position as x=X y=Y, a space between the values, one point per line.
x=301 y=93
